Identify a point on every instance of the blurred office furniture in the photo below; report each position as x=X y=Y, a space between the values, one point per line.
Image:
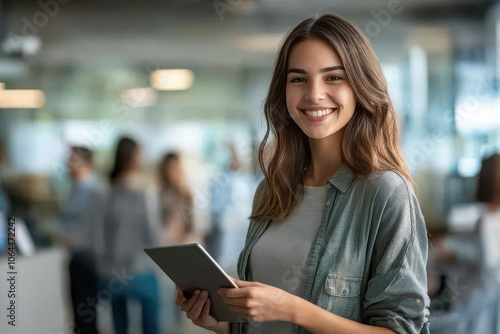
x=33 y=200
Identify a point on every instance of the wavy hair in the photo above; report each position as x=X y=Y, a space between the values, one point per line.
x=370 y=140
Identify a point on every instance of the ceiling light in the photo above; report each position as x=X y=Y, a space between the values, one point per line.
x=178 y=79
x=21 y=99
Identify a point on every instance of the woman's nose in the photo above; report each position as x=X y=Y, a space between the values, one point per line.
x=315 y=92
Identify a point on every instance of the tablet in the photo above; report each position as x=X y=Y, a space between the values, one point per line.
x=191 y=267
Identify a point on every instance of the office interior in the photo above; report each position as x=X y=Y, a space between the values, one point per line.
x=85 y=73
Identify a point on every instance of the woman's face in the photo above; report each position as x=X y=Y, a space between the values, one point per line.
x=137 y=160
x=318 y=96
x=173 y=171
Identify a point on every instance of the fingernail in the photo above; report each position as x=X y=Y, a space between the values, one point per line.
x=204 y=294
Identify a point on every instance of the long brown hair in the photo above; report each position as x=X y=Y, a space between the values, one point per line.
x=124 y=156
x=488 y=183
x=370 y=140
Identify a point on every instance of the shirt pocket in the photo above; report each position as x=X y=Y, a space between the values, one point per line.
x=341 y=295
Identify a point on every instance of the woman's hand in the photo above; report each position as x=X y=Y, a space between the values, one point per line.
x=259 y=302
x=197 y=309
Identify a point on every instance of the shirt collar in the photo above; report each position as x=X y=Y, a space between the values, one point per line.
x=342 y=178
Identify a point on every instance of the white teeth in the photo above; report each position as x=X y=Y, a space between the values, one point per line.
x=318 y=113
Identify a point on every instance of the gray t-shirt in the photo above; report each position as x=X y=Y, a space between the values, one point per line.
x=127 y=230
x=279 y=257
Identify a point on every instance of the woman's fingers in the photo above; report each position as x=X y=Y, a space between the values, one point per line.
x=245 y=284
x=195 y=310
x=243 y=302
x=233 y=292
x=187 y=304
x=206 y=309
x=179 y=299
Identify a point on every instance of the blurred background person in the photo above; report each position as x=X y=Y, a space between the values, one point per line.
x=127 y=231
x=488 y=193
x=488 y=228
x=176 y=200
x=79 y=234
x=231 y=193
x=471 y=259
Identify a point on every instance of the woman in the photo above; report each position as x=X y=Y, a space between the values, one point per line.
x=127 y=231
x=176 y=201
x=488 y=193
x=336 y=242
x=488 y=230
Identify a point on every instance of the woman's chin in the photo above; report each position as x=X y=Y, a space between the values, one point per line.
x=317 y=134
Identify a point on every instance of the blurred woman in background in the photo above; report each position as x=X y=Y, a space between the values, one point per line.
x=127 y=231
x=488 y=193
x=176 y=200
x=474 y=257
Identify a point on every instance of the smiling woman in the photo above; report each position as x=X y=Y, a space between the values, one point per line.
x=337 y=242
x=319 y=98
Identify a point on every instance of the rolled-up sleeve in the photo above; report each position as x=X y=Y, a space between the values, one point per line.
x=396 y=293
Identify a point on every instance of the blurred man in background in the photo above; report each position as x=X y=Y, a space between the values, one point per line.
x=231 y=199
x=79 y=234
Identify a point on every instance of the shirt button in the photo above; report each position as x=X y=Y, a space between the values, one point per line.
x=328 y=202
x=295 y=326
x=328 y=186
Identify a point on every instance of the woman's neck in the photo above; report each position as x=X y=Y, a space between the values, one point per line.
x=326 y=158
x=126 y=177
x=493 y=206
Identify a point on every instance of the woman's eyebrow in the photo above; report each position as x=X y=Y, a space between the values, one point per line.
x=323 y=70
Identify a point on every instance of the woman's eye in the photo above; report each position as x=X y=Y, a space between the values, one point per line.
x=334 y=78
x=297 y=80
